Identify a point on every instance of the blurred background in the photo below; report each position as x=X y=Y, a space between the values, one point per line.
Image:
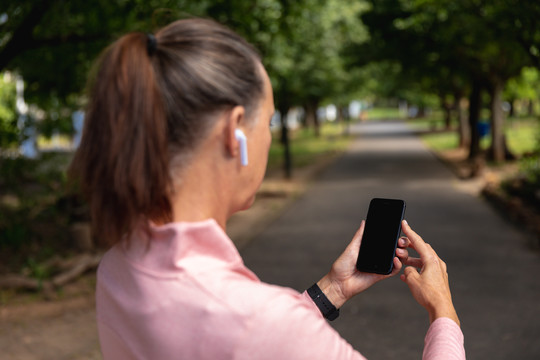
x=463 y=74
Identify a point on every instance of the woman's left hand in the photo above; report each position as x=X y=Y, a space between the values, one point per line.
x=344 y=281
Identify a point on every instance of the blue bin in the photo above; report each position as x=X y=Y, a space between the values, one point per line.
x=484 y=128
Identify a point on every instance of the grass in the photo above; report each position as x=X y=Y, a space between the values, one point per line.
x=521 y=133
x=306 y=148
x=384 y=113
x=432 y=121
x=441 y=141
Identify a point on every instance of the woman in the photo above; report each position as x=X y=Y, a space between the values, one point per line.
x=176 y=141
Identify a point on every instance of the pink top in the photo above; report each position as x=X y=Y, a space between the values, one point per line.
x=186 y=294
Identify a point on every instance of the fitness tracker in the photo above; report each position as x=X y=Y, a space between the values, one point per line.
x=327 y=309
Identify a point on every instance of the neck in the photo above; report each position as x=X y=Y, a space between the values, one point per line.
x=203 y=191
x=198 y=198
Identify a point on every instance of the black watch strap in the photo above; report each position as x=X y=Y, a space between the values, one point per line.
x=327 y=309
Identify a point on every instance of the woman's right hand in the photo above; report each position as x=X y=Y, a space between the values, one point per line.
x=429 y=285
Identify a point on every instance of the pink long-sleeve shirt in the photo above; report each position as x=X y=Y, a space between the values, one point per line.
x=186 y=294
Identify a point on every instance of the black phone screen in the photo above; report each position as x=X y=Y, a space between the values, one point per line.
x=381 y=233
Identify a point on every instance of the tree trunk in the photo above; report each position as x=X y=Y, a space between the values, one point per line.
x=317 y=126
x=421 y=112
x=499 y=151
x=447 y=108
x=474 y=115
x=311 y=116
x=345 y=119
x=512 y=111
x=287 y=163
x=340 y=114
x=464 y=127
x=447 y=116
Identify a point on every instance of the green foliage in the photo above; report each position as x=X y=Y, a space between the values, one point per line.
x=525 y=86
x=530 y=164
x=450 y=47
x=9 y=133
x=530 y=167
x=33 y=220
x=526 y=184
x=440 y=44
x=37 y=270
x=53 y=43
x=523 y=135
x=303 y=56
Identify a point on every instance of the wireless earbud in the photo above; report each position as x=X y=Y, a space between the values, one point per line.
x=241 y=137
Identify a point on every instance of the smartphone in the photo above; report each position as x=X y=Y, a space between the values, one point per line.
x=381 y=234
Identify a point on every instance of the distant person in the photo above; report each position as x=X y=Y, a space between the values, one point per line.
x=175 y=141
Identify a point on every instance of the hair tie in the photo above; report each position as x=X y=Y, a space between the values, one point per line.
x=151 y=44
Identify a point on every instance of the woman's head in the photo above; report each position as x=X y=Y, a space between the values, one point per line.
x=149 y=111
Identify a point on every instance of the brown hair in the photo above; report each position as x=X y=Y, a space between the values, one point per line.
x=147 y=109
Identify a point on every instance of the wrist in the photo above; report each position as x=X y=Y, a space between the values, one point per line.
x=446 y=310
x=328 y=310
x=333 y=291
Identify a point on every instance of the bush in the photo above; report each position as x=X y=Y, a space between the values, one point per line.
x=35 y=210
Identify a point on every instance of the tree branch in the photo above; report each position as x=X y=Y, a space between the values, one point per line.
x=71 y=269
x=23 y=35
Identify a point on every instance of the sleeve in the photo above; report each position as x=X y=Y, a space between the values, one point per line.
x=290 y=326
x=444 y=341
x=111 y=344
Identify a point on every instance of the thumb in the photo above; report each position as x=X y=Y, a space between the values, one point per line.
x=357 y=238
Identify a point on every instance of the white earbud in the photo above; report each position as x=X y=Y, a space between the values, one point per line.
x=241 y=137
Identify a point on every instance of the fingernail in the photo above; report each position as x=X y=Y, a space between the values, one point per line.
x=406 y=223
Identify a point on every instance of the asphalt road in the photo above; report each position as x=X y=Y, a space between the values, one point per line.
x=494 y=275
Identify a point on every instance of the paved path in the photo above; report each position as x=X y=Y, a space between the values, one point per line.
x=495 y=277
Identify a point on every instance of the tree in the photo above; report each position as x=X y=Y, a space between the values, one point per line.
x=52 y=44
x=301 y=43
x=475 y=40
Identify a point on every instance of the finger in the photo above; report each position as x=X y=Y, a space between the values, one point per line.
x=415 y=262
x=354 y=245
x=397 y=266
x=357 y=238
x=403 y=242
x=403 y=254
x=410 y=275
x=417 y=243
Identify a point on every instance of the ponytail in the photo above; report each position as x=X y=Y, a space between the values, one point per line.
x=122 y=162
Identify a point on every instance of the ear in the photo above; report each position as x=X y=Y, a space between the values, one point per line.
x=233 y=121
